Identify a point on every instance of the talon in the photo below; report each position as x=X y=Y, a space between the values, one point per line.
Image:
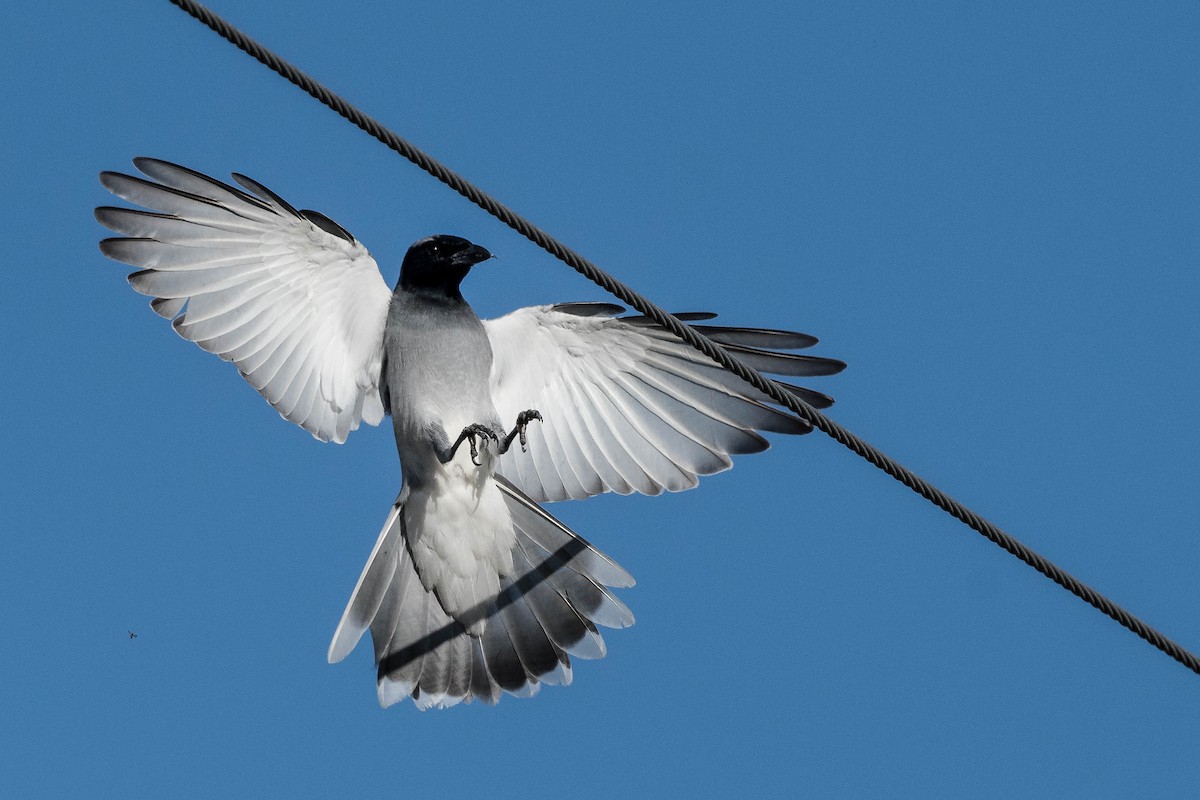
x=471 y=435
x=489 y=433
x=523 y=420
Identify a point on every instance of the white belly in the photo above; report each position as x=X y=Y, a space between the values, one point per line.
x=461 y=537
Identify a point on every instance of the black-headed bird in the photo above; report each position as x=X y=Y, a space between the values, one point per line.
x=472 y=589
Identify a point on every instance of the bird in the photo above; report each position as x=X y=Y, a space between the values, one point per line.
x=472 y=590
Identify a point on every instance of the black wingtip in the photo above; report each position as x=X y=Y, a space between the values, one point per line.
x=145 y=164
x=108 y=177
x=769 y=338
x=817 y=400
x=683 y=316
x=111 y=246
x=589 y=309
x=263 y=191
x=326 y=224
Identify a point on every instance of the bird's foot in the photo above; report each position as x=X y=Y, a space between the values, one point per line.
x=471 y=434
x=523 y=420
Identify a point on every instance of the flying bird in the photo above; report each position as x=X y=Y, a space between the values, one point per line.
x=472 y=589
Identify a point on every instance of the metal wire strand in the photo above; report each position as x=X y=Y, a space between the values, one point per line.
x=688 y=334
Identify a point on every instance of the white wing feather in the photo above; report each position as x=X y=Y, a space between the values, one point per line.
x=627 y=407
x=295 y=302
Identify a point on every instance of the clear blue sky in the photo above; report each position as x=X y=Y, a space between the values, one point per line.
x=992 y=215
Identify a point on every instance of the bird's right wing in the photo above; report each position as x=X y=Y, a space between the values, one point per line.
x=290 y=297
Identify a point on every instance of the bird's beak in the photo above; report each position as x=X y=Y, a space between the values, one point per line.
x=470 y=256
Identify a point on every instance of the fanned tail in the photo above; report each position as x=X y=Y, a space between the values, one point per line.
x=546 y=612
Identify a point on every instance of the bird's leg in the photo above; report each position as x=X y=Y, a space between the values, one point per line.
x=523 y=420
x=469 y=433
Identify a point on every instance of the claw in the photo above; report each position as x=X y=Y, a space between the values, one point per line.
x=470 y=434
x=523 y=420
x=475 y=453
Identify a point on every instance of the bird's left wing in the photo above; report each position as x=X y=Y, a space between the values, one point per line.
x=626 y=406
x=290 y=297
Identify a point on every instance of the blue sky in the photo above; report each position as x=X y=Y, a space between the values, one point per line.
x=991 y=215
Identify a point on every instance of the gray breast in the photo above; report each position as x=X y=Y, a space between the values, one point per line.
x=437 y=354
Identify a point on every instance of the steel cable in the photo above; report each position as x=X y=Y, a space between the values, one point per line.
x=688 y=334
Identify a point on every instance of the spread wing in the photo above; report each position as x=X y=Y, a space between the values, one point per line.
x=626 y=406
x=291 y=298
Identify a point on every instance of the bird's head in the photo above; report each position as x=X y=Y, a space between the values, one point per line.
x=439 y=263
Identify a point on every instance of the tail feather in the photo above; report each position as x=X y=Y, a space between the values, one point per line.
x=483 y=686
x=574 y=631
x=503 y=659
x=545 y=612
x=552 y=536
x=404 y=609
x=372 y=587
x=405 y=599
x=580 y=591
x=459 y=685
x=537 y=652
x=566 y=628
x=434 y=681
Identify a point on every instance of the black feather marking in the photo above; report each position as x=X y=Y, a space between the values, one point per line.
x=786 y=363
x=534 y=648
x=562 y=626
x=685 y=316
x=109 y=216
x=326 y=224
x=255 y=186
x=482 y=685
x=503 y=662
x=112 y=181
x=758 y=337
x=385 y=395
x=814 y=399
x=114 y=247
x=589 y=309
x=168 y=307
x=460 y=674
x=147 y=165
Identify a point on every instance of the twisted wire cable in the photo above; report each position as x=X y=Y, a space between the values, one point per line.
x=688 y=334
